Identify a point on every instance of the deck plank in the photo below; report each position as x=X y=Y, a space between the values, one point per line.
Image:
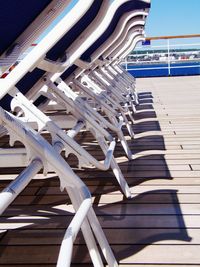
x=159 y=226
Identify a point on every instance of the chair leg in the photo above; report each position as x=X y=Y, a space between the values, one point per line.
x=101 y=238
x=128 y=126
x=68 y=179
x=87 y=232
x=122 y=139
x=124 y=145
x=120 y=178
x=116 y=170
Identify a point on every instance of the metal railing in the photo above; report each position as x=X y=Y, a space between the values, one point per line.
x=169 y=56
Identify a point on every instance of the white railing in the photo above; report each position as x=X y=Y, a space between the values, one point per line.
x=165 y=52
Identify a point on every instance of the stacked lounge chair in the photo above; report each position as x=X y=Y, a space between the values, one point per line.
x=75 y=68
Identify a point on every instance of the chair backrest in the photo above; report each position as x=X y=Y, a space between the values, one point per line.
x=126 y=7
x=127 y=40
x=126 y=19
x=133 y=22
x=21 y=24
x=112 y=43
x=66 y=43
x=30 y=78
x=139 y=38
x=90 y=53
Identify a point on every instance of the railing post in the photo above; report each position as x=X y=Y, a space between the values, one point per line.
x=126 y=66
x=168 y=53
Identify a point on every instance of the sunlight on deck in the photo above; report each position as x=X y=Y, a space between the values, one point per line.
x=159 y=225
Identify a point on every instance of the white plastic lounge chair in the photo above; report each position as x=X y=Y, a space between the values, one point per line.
x=40 y=154
x=100 y=51
x=57 y=91
x=27 y=28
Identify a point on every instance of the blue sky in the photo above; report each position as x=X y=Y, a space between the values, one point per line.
x=173 y=17
x=166 y=17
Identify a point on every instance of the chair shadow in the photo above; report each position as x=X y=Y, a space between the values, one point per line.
x=149 y=217
x=40 y=222
x=130 y=225
x=148 y=148
x=147 y=223
x=145 y=107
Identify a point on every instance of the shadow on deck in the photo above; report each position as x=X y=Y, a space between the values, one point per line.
x=147 y=230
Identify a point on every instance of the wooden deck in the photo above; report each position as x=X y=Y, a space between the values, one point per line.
x=160 y=226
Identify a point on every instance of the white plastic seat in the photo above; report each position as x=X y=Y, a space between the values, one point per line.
x=40 y=154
